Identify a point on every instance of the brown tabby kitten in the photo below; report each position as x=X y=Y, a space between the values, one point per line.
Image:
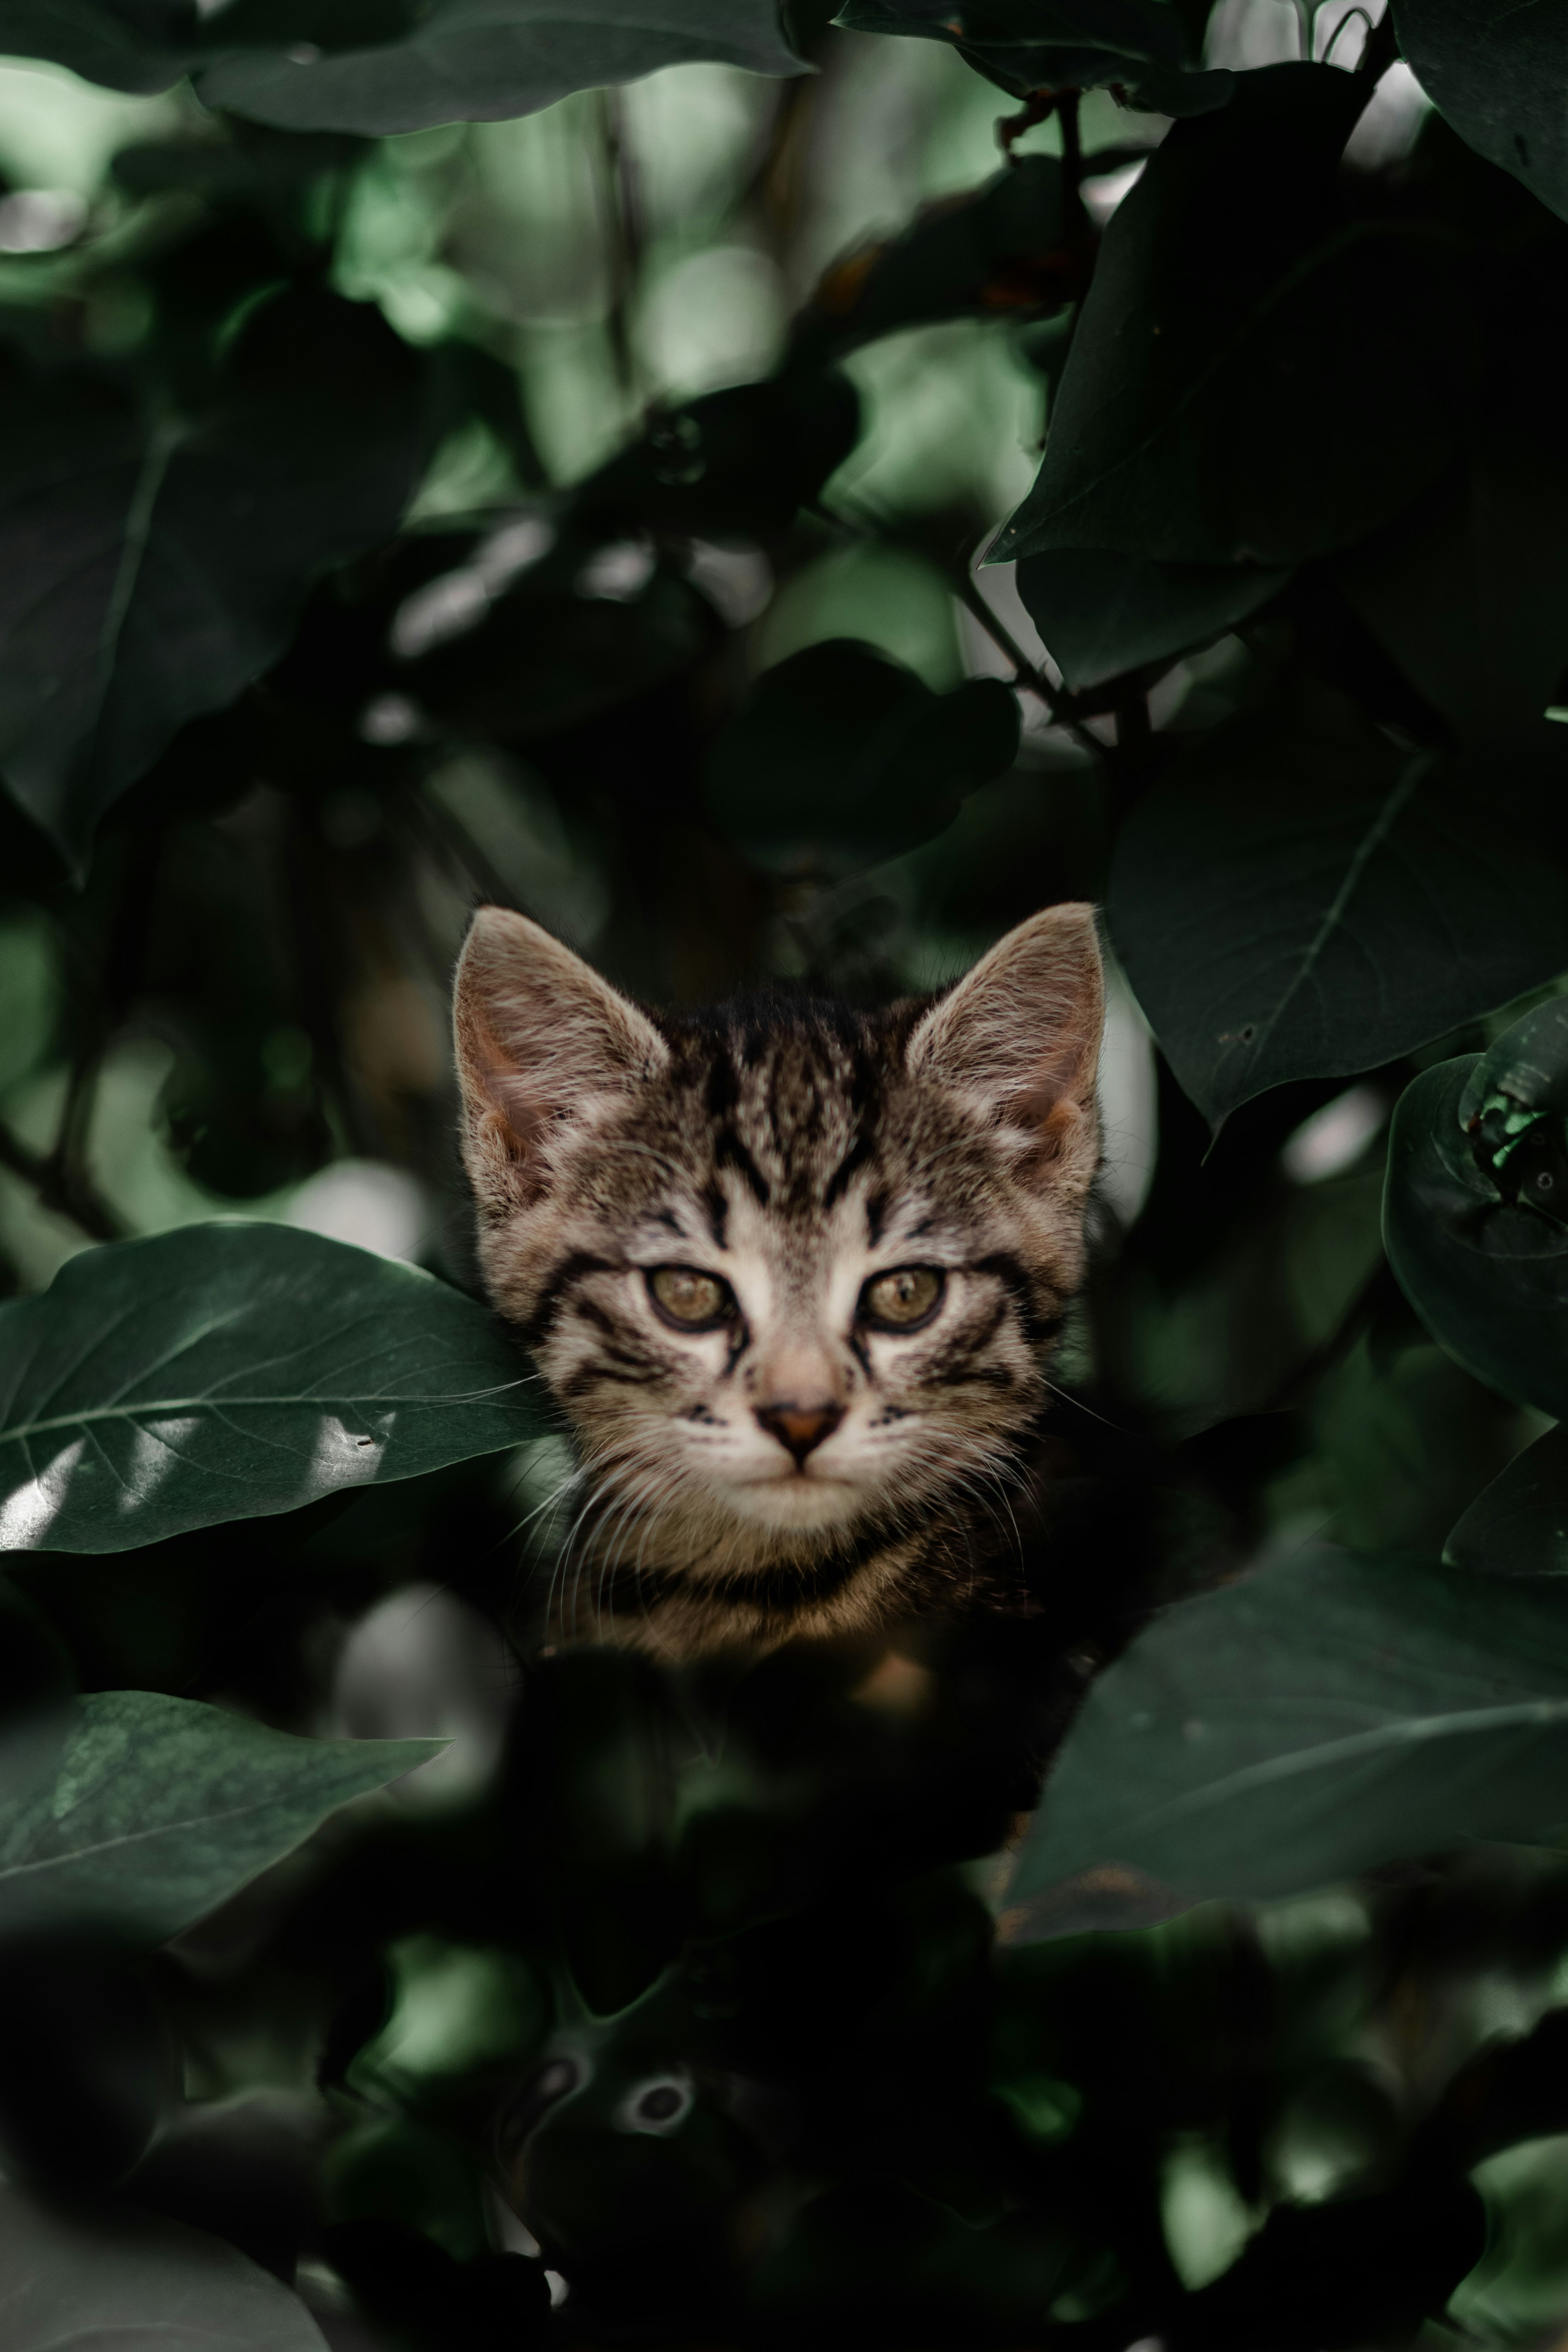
x=793 y=1271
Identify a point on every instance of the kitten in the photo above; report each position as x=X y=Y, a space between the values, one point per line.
x=792 y=1270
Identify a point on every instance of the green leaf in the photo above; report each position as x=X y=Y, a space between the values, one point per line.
x=400 y=67
x=131 y=44
x=1469 y=590
x=379 y=66
x=1001 y=251
x=226 y=1371
x=112 y=2279
x=162 y=1809
x=1253 y=382
x=1023 y=45
x=1519 y=1525
x=1475 y=1216
x=840 y=758
x=1100 y=614
x=739 y=462
x=1299 y=898
x=1324 y=1714
x=1498 y=73
x=153 y=567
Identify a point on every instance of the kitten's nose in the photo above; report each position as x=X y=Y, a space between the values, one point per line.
x=801 y=1427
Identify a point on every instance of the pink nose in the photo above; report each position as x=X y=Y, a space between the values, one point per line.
x=800 y=1427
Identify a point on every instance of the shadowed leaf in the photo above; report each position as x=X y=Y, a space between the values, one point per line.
x=1324 y=1714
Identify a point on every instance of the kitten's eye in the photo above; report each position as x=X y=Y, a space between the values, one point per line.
x=692 y=1301
x=904 y=1299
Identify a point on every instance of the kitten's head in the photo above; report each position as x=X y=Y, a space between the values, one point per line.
x=791 y=1269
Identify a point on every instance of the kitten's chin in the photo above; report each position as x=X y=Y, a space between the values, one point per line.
x=785 y=1504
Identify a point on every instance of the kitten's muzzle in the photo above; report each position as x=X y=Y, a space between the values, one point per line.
x=800 y=1428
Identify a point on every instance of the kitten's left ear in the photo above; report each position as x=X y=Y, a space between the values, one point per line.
x=1018 y=1039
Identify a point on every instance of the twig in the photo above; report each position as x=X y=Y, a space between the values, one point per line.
x=82 y=1204
x=1378 y=1290
x=1381 y=48
x=623 y=241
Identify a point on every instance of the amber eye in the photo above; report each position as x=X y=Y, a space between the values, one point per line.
x=903 y=1299
x=690 y=1300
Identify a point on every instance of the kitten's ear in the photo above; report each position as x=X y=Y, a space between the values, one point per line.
x=1018 y=1039
x=541 y=1040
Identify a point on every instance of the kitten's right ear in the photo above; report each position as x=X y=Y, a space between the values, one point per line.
x=540 y=1040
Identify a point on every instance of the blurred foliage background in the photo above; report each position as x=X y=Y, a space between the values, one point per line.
x=643 y=544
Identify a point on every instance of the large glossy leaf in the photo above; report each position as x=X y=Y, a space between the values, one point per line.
x=149 y=567
x=161 y=1808
x=840 y=757
x=1498 y=72
x=1100 y=614
x=1469 y=590
x=224 y=1372
x=111 y=2279
x=465 y=60
x=1299 y=898
x=1137 y=46
x=1325 y=1714
x=1519 y=1525
x=1257 y=380
x=390 y=65
x=1475 y=1211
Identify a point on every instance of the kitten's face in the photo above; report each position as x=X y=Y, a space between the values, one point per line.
x=792 y=1270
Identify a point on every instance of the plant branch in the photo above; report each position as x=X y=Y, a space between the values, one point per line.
x=70 y=1192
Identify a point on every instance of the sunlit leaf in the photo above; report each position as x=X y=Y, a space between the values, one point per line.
x=1325 y=1714
x=153 y=565
x=224 y=1372
x=116 y=2280
x=1259 y=381
x=1300 y=898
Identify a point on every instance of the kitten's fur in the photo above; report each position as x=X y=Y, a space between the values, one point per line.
x=797 y=1151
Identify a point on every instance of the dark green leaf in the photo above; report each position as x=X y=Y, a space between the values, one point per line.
x=840 y=758
x=379 y=66
x=153 y=566
x=739 y=462
x=133 y=45
x=1257 y=380
x=1324 y=1714
x=393 y=66
x=1302 y=900
x=226 y=1371
x=591 y=624
x=1469 y=590
x=1100 y=614
x=1001 y=251
x=1476 y=1213
x=115 y=2280
x=1023 y=45
x=1498 y=73
x=1519 y=1525
x=162 y=1809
